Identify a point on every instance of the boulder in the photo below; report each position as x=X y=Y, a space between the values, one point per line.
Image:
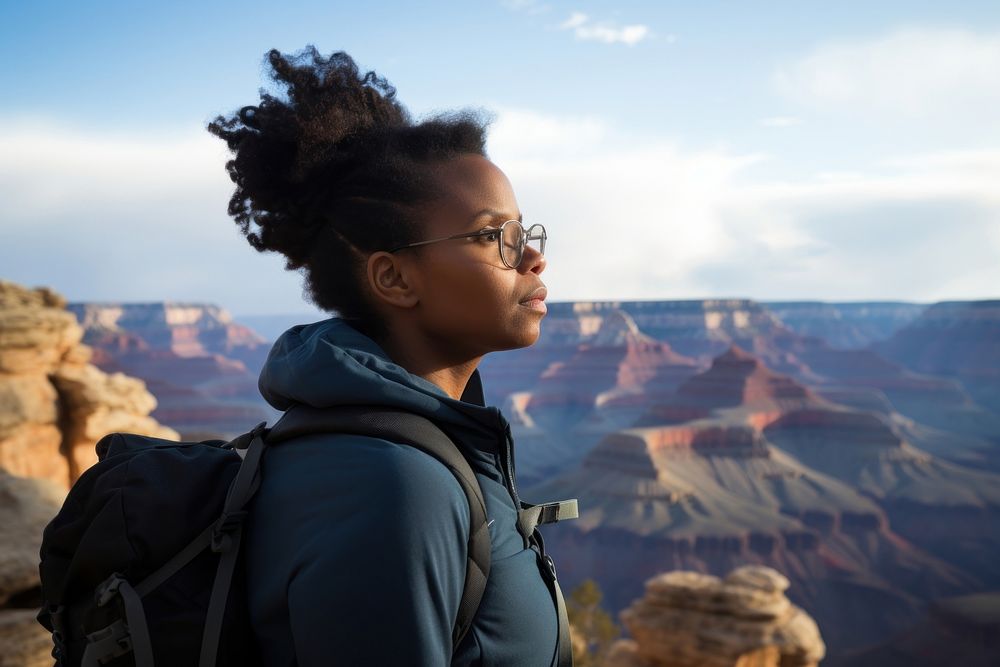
x=690 y=619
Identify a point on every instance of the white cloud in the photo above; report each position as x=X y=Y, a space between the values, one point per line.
x=780 y=121
x=653 y=221
x=910 y=72
x=100 y=216
x=585 y=29
x=525 y=133
x=129 y=217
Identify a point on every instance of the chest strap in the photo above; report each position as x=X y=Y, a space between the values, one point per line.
x=530 y=516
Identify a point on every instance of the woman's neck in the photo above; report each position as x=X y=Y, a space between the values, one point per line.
x=431 y=360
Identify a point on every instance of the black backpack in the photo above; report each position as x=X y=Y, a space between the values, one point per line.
x=142 y=563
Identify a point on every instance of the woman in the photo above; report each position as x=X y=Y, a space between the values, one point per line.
x=356 y=549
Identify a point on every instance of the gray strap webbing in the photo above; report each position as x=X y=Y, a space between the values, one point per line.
x=226 y=539
x=118 y=638
x=564 y=644
x=413 y=429
x=530 y=516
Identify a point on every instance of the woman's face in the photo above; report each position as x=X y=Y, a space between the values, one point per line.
x=463 y=294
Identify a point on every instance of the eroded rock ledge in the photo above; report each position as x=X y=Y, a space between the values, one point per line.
x=54 y=404
x=689 y=619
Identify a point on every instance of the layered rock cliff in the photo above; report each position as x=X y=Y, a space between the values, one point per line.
x=54 y=404
x=54 y=407
x=201 y=365
x=846 y=325
x=603 y=386
x=954 y=339
x=700 y=485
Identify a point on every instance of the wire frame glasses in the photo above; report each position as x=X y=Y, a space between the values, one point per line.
x=511 y=237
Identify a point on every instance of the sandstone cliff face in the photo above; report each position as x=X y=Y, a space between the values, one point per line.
x=54 y=405
x=689 y=619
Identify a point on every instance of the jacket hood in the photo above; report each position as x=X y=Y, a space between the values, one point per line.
x=330 y=363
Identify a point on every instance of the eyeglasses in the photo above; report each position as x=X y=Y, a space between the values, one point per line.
x=511 y=239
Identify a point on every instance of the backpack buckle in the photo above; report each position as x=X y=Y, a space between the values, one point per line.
x=109 y=643
x=108 y=588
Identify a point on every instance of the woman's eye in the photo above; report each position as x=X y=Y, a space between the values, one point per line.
x=492 y=237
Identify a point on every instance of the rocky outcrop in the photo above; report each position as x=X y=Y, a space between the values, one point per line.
x=54 y=404
x=689 y=619
x=26 y=506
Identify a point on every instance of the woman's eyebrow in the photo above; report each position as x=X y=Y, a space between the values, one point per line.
x=497 y=215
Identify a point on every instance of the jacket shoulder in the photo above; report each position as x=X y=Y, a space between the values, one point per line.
x=345 y=469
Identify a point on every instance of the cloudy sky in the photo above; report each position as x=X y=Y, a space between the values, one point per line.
x=775 y=150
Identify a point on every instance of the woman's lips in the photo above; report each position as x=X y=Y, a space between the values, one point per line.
x=536 y=304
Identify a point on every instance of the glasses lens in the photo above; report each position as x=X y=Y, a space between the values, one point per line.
x=511 y=243
x=536 y=238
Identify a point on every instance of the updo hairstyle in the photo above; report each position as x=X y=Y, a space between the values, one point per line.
x=332 y=169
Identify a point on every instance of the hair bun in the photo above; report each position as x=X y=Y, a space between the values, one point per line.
x=248 y=116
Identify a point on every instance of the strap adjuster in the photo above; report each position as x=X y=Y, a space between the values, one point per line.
x=108 y=588
x=224 y=527
x=110 y=642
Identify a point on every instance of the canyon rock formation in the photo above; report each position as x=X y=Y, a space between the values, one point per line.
x=777 y=450
x=200 y=364
x=54 y=404
x=851 y=325
x=953 y=339
x=690 y=619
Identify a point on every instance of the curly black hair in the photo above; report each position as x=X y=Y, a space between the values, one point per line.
x=333 y=170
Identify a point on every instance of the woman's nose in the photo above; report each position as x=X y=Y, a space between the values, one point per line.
x=532 y=260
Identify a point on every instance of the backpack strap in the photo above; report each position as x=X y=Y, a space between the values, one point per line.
x=529 y=517
x=227 y=533
x=418 y=431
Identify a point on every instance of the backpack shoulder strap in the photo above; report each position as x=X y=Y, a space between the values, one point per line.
x=418 y=431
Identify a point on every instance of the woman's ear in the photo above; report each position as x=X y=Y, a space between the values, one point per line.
x=393 y=280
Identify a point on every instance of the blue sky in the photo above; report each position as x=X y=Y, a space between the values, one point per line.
x=833 y=151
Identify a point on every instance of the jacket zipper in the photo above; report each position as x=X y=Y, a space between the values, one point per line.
x=507 y=460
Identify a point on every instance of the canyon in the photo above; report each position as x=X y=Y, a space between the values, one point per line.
x=852 y=450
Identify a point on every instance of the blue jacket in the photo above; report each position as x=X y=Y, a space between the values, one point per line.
x=356 y=546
